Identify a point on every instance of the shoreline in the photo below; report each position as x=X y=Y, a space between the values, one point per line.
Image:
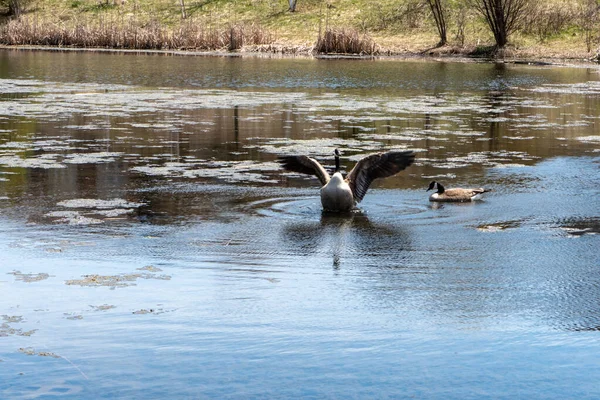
x=274 y=51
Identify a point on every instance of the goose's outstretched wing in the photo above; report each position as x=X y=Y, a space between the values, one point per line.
x=376 y=166
x=305 y=165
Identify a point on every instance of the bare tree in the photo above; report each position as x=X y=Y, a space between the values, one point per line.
x=439 y=16
x=182 y=5
x=502 y=16
x=15 y=7
x=461 y=23
x=292 y=4
x=590 y=12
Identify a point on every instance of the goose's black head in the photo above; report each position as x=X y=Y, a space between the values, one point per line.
x=435 y=186
x=337 y=154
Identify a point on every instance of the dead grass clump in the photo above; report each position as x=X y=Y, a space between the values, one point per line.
x=344 y=41
x=132 y=35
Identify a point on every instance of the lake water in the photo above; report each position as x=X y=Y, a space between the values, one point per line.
x=150 y=246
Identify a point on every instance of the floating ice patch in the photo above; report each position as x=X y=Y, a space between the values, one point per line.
x=439 y=176
x=168 y=169
x=507 y=155
x=243 y=171
x=74 y=218
x=575 y=124
x=19 y=276
x=149 y=311
x=39 y=145
x=534 y=103
x=20 y=86
x=55 y=99
x=538 y=126
x=511 y=165
x=391 y=136
x=485 y=158
x=12 y=318
x=149 y=125
x=99 y=204
x=52 y=145
x=589 y=139
x=103 y=307
x=585 y=88
x=230 y=171
x=114 y=281
x=358 y=157
x=433 y=105
x=63 y=214
x=91 y=158
x=497 y=119
x=93 y=208
x=436 y=132
x=118 y=212
x=149 y=268
x=43 y=161
x=522 y=137
x=37 y=86
x=7 y=330
x=30 y=351
x=317 y=147
x=361 y=128
x=499 y=226
x=89 y=127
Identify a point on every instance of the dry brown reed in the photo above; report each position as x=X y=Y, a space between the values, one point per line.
x=344 y=41
x=192 y=35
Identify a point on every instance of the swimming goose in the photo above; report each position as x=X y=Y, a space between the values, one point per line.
x=339 y=194
x=456 y=194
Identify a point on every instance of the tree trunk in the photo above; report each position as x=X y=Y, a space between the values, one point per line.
x=440 y=21
x=14 y=8
x=500 y=34
x=502 y=16
x=292 y=4
x=183 y=13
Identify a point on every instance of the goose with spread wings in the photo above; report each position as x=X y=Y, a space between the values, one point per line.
x=341 y=194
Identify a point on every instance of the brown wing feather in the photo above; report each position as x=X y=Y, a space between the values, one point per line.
x=376 y=166
x=305 y=165
x=463 y=193
x=458 y=193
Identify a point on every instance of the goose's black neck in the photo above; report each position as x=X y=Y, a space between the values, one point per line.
x=337 y=160
x=440 y=188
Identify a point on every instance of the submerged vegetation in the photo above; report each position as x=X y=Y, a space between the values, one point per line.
x=525 y=28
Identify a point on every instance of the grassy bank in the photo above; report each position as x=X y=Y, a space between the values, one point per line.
x=555 y=29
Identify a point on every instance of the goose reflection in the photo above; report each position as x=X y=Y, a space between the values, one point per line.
x=347 y=235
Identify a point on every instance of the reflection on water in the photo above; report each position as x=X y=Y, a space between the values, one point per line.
x=347 y=235
x=149 y=242
x=581 y=226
